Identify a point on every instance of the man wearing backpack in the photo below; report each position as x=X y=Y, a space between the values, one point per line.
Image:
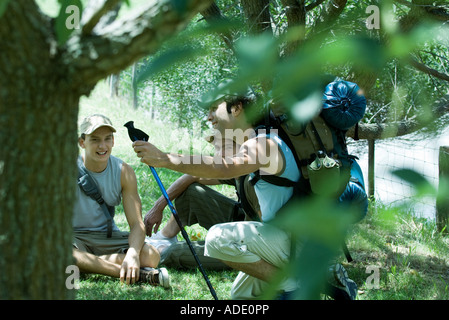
x=196 y=202
x=114 y=253
x=257 y=249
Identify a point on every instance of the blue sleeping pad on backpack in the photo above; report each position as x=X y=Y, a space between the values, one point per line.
x=343 y=104
x=354 y=193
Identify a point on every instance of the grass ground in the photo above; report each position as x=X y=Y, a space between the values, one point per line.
x=396 y=255
x=409 y=253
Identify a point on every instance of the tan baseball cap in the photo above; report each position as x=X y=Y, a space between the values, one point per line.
x=95 y=121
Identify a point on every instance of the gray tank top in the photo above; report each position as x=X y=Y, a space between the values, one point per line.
x=88 y=215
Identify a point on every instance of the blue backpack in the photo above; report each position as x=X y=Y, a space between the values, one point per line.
x=320 y=145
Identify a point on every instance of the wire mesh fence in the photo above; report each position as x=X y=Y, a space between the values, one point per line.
x=418 y=152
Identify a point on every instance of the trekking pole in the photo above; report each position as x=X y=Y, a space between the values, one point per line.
x=136 y=134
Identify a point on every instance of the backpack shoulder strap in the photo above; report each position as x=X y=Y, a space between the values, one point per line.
x=89 y=187
x=243 y=200
x=276 y=180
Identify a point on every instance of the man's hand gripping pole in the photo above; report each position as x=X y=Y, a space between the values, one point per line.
x=136 y=134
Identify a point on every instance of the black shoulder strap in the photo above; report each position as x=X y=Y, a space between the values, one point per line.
x=88 y=185
x=276 y=180
x=243 y=200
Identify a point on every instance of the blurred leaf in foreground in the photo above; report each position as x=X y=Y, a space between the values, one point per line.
x=319 y=225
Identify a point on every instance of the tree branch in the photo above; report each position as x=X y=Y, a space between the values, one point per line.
x=296 y=16
x=331 y=13
x=258 y=15
x=313 y=5
x=212 y=15
x=94 y=12
x=437 y=12
x=116 y=46
x=295 y=11
x=422 y=67
x=373 y=131
x=25 y=40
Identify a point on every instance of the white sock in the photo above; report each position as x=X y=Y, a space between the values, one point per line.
x=164 y=237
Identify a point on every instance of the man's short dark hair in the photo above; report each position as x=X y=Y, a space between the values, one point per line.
x=247 y=99
x=225 y=91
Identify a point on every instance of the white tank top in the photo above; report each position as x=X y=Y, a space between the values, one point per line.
x=87 y=214
x=271 y=197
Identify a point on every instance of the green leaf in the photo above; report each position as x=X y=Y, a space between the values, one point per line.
x=257 y=56
x=3 y=5
x=319 y=225
x=421 y=185
x=179 y=5
x=316 y=218
x=168 y=59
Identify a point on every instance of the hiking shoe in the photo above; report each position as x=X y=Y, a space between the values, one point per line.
x=285 y=295
x=155 y=277
x=339 y=286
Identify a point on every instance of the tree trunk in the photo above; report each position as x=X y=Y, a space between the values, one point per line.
x=37 y=157
x=442 y=202
x=258 y=15
x=114 y=84
x=296 y=17
x=38 y=149
x=40 y=87
x=134 y=86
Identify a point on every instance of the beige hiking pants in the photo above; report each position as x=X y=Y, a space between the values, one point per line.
x=247 y=242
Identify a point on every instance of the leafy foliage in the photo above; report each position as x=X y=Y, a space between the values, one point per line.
x=179 y=74
x=198 y=58
x=327 y=42
x=343 y=47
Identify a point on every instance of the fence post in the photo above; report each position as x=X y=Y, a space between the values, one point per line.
x=371 y=168
x=442 y=212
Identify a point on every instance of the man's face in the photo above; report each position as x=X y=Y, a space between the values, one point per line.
x=220 y=118
x=98 y=145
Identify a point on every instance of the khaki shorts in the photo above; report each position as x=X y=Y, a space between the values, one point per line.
x=98 y=243
x=205 y=206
